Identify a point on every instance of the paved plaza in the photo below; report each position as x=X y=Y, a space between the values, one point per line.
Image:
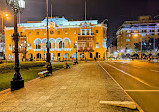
x=78 y=89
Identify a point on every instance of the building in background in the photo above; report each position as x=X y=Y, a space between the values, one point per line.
x=2 y=47
x=90 y=35
x=132 y=34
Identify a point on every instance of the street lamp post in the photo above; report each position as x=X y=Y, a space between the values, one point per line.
x=17 y=82
x=137 y=35
x=141 y=48
x=6 y=15
x=49 y=66
x=76 y=52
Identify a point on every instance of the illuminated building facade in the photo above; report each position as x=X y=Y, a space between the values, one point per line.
x=132 y=33
x=90 y=36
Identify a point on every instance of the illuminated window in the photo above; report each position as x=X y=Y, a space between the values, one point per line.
x=38 y=44
x=52 y=41
x=97 y=44
x=128 y=31
x=74 y=32
x=127 y=40
x=10 y=47
x=143 y=35
x=66 y=43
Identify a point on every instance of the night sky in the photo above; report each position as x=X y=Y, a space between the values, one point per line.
x=116 y=11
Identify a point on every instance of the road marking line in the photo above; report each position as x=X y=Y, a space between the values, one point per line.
x=154 y=70
x=136 y=78
x=142 y=90
x=139 y=108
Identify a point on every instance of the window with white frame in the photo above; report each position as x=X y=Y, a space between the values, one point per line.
x=127 y=40
x=97 y=44
x=85 y=31
x=38 y=44
x=10 y=47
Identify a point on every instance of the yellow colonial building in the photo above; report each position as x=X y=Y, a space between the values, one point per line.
x=63 y=34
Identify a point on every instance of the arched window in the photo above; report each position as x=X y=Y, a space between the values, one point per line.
x=52 y=42
x=30 y=56
x=74 y=55
x=37 y=44
x=9 y=57
x=81 y=55
x=58 y=43
x=44 y=43
x=38 y=56
x=67 y=43
x=52 y=56
x=66 y=55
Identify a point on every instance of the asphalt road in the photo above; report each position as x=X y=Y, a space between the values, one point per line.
x=140 y=80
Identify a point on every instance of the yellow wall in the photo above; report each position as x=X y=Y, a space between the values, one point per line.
x=42 y=34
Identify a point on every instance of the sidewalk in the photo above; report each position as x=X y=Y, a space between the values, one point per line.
x=78 y=89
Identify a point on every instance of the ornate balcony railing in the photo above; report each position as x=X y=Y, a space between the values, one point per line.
x=21 y=50
x=86 y=50
x=87 y=34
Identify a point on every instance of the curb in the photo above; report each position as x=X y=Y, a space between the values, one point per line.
x=138 y=107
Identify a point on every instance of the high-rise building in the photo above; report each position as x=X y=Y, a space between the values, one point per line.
x=138 y=37
x=90 y=35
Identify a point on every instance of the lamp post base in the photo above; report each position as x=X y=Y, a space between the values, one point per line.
x=76 y=62
x=17 y=84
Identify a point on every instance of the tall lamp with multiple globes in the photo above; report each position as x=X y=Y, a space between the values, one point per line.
x=17 y=82
x=76 y=52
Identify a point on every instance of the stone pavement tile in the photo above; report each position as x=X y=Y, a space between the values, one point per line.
x=18 y=109
x=68 y=109
x=6 y=109
x=30 y=109
x=43 y=109
x=78 y=89
x=56 y=109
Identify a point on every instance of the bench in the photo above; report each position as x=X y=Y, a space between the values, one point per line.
x=43 y=74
